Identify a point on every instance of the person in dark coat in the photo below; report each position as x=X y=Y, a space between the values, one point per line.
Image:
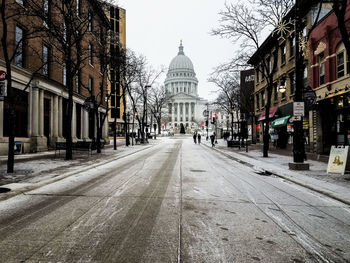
x=212 y=139
x=195 y=138
x=199 y=138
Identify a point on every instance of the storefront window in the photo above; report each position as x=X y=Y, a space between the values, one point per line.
x=340 y=103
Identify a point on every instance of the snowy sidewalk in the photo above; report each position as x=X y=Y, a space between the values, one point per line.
x=38 y=169
x=334 y=186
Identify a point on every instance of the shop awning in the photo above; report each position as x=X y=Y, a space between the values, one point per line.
x=271 y=114
x=280 y=122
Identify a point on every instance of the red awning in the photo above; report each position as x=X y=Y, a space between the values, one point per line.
x=272 y=113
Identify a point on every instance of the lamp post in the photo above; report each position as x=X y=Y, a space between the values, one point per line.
x=127 y=129
x=146 y=87
x=298 y=138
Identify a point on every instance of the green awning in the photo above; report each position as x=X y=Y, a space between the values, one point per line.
x=280 y=122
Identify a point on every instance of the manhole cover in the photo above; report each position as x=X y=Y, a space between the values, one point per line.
x=4 y=190
x=264 y=173
x=198 y=171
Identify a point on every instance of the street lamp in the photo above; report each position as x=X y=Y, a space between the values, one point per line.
x=146 y=87
x=127 y=129
x=298 y=138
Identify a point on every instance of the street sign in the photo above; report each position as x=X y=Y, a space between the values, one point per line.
x=295 y=118
x=298 y=109
x=205 y=113
x=2 y=75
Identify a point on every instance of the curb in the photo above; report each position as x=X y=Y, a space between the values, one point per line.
x=328 y=194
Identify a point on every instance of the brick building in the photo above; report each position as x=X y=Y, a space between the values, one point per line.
x=330 y=74
x=41 y=111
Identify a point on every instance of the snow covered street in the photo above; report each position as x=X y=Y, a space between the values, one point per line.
x=169 y=201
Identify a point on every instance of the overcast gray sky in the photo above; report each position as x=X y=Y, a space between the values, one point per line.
x=155 y=28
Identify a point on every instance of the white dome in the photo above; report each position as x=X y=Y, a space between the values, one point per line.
x=181 y=61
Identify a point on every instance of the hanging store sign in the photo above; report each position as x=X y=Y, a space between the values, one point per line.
x=2 y=75
x=298 y=108
x=310 y=98
x=337 y=160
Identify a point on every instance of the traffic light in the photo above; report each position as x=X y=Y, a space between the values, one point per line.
x=213 y=118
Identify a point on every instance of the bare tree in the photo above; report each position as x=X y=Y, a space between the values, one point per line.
x=139 y=91
x=228 y=98
x=157 y=100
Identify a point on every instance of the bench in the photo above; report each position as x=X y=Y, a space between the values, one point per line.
x=235 y=144
x=82 y=146
x=94 y=146
x=76 y=146
x=60 y=146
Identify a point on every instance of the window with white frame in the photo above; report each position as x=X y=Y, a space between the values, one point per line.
x=342 y=66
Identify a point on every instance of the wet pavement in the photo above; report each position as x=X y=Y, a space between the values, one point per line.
x=172 y=201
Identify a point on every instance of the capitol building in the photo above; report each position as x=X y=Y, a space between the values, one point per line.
x=185 y=107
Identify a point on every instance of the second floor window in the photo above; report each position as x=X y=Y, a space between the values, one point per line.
x=78 y=7
x=283 y=54
x=292 y=82
x=275 y=90
x=91 y=83
x=321 y=68
x=90 y=54
x=20 y=47
x=340 y=64
x=257 y=101
x=262 y=99
x=46 y=60
x=46 y=9
x=64 y=74
x=90 y=25
x=77 y=82
x=292 y=46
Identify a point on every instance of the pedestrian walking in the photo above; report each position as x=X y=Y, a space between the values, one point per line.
x=195 y=138
x=212 y=139
x=199 y=138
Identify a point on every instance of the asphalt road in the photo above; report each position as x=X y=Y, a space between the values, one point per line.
x=174 y=202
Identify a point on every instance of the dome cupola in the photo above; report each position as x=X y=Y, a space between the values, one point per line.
x=181 y=61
